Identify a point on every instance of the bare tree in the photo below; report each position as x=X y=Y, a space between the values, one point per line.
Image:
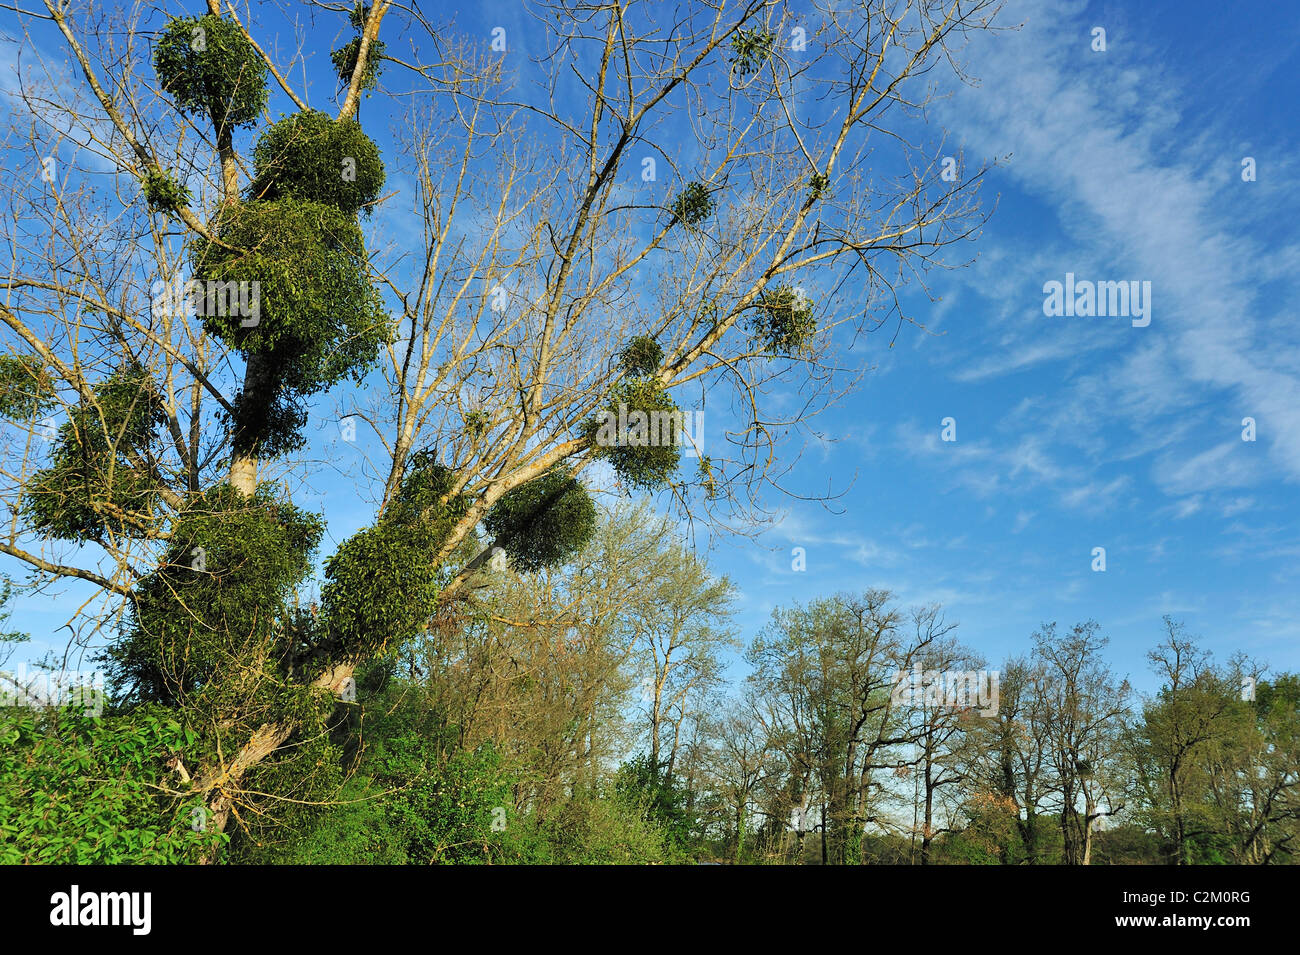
x=1085 y=709
x=775 y=232
x=740 y=756
x=937 y=720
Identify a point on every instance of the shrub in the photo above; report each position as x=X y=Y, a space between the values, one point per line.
x=641 y=357
x=544 y=522
x=97 y=481
x=345 y=57
x=26 y=387
x=600 y=830
x=223 y=587
x=319 y=317
x=693 y=205
x=750 y=50
x=783 y=321
x=164 y=193
x=386 y=572
x=312 y=157
x=208 y=66
x=412 y=797
x=648 y=788
x=637 y=433
x=80 y=790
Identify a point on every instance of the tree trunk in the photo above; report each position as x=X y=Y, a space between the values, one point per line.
x=825 y=859
x=218 y=782
x=1029 y=836
x=1180 y=831
x=927 y=832
x=740 y=830
x=257 y=394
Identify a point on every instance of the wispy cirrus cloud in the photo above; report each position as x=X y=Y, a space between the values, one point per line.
x=1100 y=136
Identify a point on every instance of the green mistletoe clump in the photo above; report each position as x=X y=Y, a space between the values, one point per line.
x=209 y=67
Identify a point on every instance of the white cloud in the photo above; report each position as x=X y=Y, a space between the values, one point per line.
x=1102 y=140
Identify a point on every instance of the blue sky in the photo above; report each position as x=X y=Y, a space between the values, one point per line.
x=1075 y=433
x=1071 y=433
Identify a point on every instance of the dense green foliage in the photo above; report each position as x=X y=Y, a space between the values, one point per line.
x=750 y=49
x=318 y=320
x=399 y=775
x=384 y=573
x=783 y=321
x=414 y=797
x=344 y=58
x=215 y=632
x=208 y=66
x=319 y=317
x=26 y=387
x=99 y=480
x=544 y=522
x=220 y=596
x=630 y=433
x=693 y=205
x=604 y=828
x=640 y=782
x=641 y=357
x=82 y=790
x=162 y=192
x=312 y=157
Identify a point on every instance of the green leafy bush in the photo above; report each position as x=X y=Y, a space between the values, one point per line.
x=637 y=433
x=319 y=316
x=380 y=587
x=98 y=480
x=267 y=421
x=544 y=522
x=416 y=799
x=312 y=157
x=26 y=387
x=413 y=797
x=783 y=321
x=381 y=584
x=603 y=829
x=750 y=50
x=648 y=788
x=221 y=591
x=641 y=357
x=345 y=57
x=164 y=193
x=693 y=206
x=208 y=66
x=79 y=790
